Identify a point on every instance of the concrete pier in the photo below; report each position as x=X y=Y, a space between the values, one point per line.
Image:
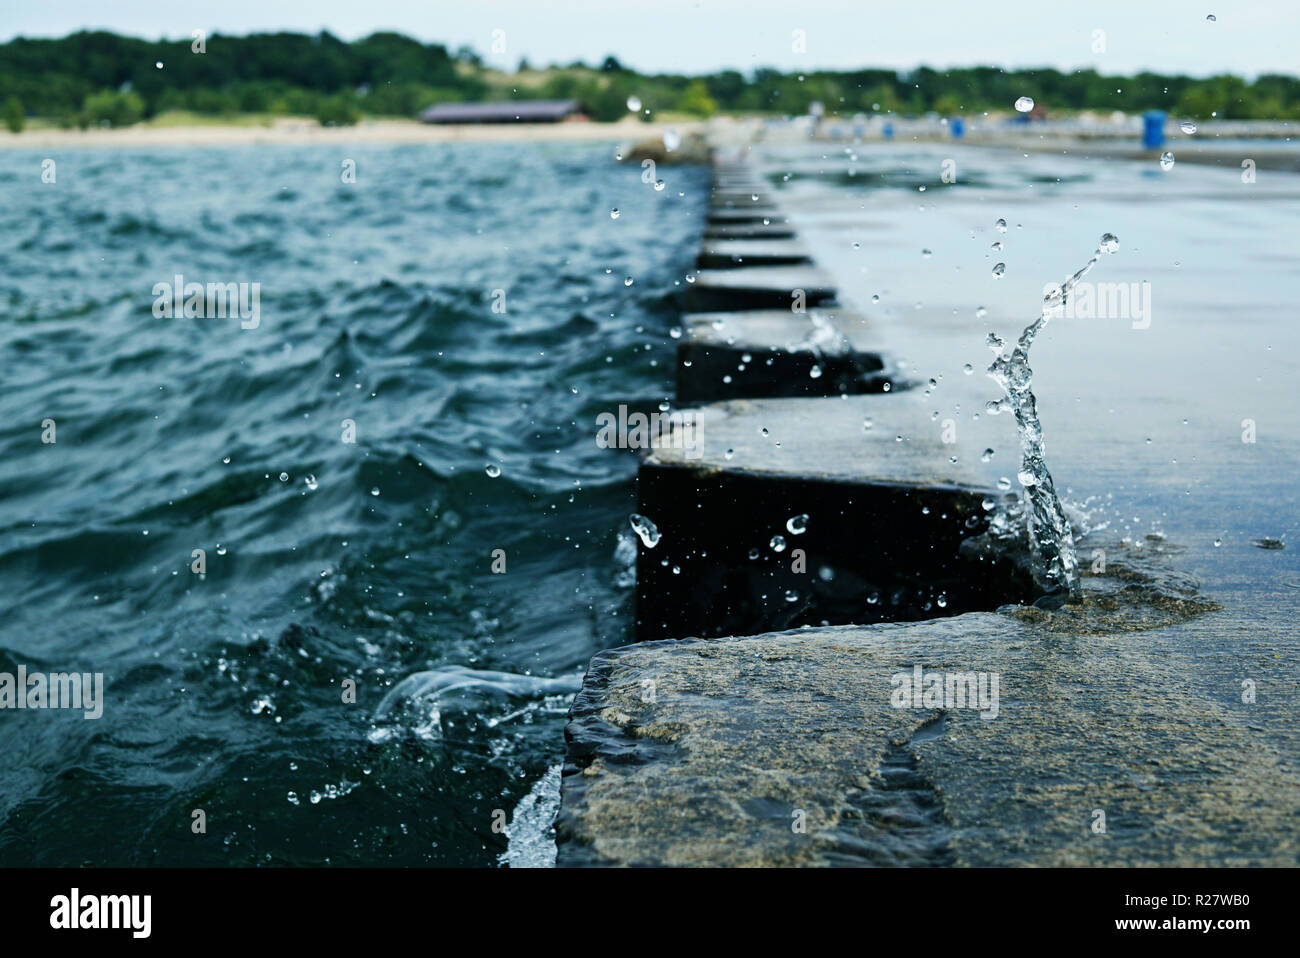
x=823 y=563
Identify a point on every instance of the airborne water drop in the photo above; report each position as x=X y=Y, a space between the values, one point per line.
x=645 y=529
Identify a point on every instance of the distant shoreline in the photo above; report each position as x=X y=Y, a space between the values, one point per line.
x=292 y=131
x=1282 y=155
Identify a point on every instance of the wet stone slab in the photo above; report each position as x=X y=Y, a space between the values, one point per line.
x=790 y=749
x=890 y=439
x=758 y=214
x=760 y=287
x=743 y=199
x=754 y=231
x=777 y=353
x=779 y=513
x=736 y=254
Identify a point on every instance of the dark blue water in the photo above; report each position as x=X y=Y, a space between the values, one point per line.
x=325 y=560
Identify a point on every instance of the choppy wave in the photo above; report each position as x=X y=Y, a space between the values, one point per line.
x=324 y=561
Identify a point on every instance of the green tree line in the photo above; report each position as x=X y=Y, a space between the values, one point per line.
x=99 y=78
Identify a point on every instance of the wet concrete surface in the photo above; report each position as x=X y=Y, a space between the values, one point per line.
x=760 y=287
x=1155 y=724
x=735 y=254
x=786 y=749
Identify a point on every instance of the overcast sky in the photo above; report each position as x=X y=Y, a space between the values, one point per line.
x=1167 y=36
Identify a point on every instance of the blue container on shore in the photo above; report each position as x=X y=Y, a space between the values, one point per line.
x=1153 y=129
x=888 y=131
x=958 y=127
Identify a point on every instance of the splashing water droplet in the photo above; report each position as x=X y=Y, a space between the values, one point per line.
x=493 y=470
x=646 y=530
x=659 y=185
x=1050 y=537
x=777 y=544
x=613 y=214
x=998 y=270
x=1024 y=104
x=284 y=477
x=1166 y=160
x=1000 y=225
x=797 y=525
x=1188 y=127
x=312 y=484
x=634 y=104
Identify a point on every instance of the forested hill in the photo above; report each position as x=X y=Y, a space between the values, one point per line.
x=97 y=78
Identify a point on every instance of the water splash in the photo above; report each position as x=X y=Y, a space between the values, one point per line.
x=1050 y=537
x=825 y=338
x=420 y=701
x=644 y=527
x=625 y=561
x=531 y=834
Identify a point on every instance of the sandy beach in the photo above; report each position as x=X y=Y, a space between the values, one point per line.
x=305 y=130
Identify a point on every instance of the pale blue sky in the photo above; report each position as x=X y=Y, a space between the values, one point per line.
x=1169 y=36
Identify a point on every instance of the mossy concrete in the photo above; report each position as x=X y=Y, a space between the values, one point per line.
x=785 y=749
